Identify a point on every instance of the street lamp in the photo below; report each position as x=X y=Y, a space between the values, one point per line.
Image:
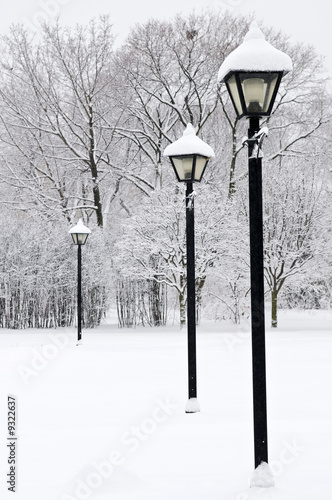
x=189 y=157
x=79 y=234
x=252 y=74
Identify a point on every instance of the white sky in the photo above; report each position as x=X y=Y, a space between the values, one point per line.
x=305 y=21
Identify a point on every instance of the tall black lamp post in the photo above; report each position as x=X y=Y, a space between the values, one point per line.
x=79 y=234
x=189 y=157
x=252 y=74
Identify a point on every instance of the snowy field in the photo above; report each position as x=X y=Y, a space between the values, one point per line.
x=106 y=420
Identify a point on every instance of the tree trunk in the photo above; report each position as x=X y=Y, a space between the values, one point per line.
x=274 y=310
x=200 y=282
x=157 y=303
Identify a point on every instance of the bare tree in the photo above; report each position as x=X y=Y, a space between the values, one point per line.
x=58 y=118
x=170 y=70
x=292 y=229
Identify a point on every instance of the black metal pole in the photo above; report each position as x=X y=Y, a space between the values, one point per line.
x=191 y=292
x=257 y=297
x=79 y=293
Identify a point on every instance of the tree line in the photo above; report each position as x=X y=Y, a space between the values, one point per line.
x=84 y=124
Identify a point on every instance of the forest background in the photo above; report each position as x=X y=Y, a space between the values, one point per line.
x=83 y=128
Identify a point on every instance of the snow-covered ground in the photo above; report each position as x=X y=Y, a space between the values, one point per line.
x=106 y=421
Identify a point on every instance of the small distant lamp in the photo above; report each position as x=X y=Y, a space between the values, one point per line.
x=79 y=234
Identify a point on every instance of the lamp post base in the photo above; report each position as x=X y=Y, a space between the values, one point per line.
x=192 y=406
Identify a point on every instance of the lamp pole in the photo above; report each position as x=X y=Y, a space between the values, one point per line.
x=79 y=234
x=257 y=295
x=191 y=291
x=189 y=157
x=79 y=292
x=252 y=74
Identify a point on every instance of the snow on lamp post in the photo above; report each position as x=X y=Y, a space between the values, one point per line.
x=79 y=234
x=189 y=156
x=252 y=74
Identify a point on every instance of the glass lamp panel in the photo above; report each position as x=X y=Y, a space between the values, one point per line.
x=200 y=165
x=258 y=91
x=183 y=166
x=270 y=89
x=81 y=238
x=74 y=236
x=254 y=93
x=234 y=92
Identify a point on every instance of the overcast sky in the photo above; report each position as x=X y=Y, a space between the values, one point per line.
x=305 y=21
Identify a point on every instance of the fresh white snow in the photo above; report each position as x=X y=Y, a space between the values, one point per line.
x=255 y=54
x=192 y=406
x=80 y=228
x=189 y=144
x=106 y=420
x=262 y=477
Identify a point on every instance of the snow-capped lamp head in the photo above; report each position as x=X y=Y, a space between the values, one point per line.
x=189 y=156
x=252 y=74
x=79 y=233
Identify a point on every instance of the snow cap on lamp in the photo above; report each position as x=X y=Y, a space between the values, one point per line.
x=189 y=144
x=255 y=54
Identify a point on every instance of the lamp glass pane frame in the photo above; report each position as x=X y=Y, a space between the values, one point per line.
x=80 y=238
x=238 y=91
x=189 y=168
